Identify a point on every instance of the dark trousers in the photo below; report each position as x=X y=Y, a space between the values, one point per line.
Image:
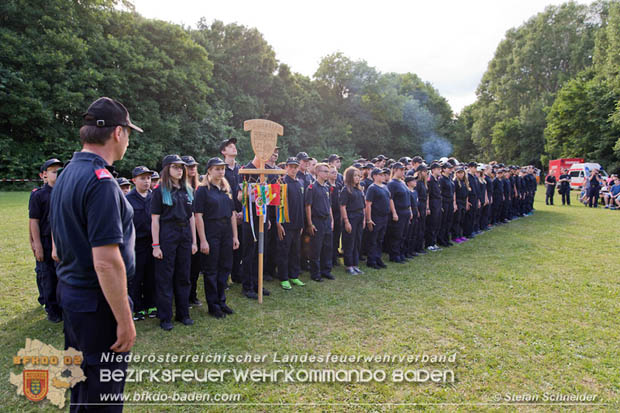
x=420 y=228
x=321 y=248
x=352 y=241
x=249 y=263
x=447 y=211
x=47 y=279
x=397 y=231
x=412 y=232
x=457 y=221
x=468 y=221
x=485 y=216
x=271 y=241
x=433 y=222
x=236 y=274
x=172 y=272
x=337 y=233
x=194 y=274
x=142 y=286
x=217 y=264
x=566 y=197
x=288 y=253
x=593 y=195
x=549 y=197
x=90 y=327
x=375 y=240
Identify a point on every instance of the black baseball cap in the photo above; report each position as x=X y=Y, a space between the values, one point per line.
x=50 y=162
x=139 y=170
x=382 y=157
x=123 y=181
x=376 y=171
x=170 y=159
x=357 y=165
x=472 y=164
x=374 y=160
x=215 y=162
x=333 y=157
x=302 y=156
x=106 y=112
x=227 y=142
x=369 y=165
x=434 y=165
x=421 y=168
x=397 y=165
x=189 y=160
x=409 y=178
x=155 y=175
x=292 y=161
x=385 y=171
x=361 y=160
x=404 y=160
x=417 y=159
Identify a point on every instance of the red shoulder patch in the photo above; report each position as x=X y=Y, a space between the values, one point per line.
x=310 y=186
x=34 y=190
x=103 y=173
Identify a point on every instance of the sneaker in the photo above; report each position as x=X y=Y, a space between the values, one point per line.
x=54 y=318
x=186 y=321
x=152 y=312
x=351 y=271
x=357 y=270
x=250 y=294
x=217 y=314
x=166 y=325
x=195 y=302
x=381 y=264
x=317 y=279
x=297 y=281
x=286 y=285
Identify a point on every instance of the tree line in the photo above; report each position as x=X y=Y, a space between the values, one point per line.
x=189 y=88
x=552 y=90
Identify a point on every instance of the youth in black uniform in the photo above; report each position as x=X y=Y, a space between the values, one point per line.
x=217 y=230
x=191 y=169
x=421 y=189
x=461 y=189
x=397 y=229
x=174 y=241
x=289 y=233
x=412 y=229
x=434 y=205
x=38 y=213
x=335 y=186
x=446 y=188
x=142 y=287
x=379 y=207
x=565 y=187
x=92 y=228
x=352 y=211
x=320 y=225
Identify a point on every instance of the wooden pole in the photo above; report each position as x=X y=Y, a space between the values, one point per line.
x=261 y=241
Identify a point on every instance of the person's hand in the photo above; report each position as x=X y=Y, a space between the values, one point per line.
x=428 y=211
x=268 y=224
x=37 y=249
x=281 y=232
x=394 y=217
x=194 y=248
x=204 y=247
x=125 y=337
x=311 y=230
x=55 y=253
x=456 y=207
x=348 y=227
x=363 y=224
x=235 y=243
x=157 y=253
x=332 y=225
x=371 y=225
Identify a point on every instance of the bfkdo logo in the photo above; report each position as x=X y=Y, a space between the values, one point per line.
x=47 y=372
x=35 y=384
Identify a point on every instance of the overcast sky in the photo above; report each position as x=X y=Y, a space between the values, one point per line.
x=447 y=43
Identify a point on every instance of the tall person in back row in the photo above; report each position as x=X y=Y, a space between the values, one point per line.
x=174 y=241
x=352 y=211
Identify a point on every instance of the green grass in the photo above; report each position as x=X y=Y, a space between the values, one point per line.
x=530 y=307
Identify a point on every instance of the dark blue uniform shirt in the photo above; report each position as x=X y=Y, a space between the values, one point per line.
x=304 y=179
x=317 y=196
x=88 y=209
x=232 y=176
x=413 y=195
x=295 y=198
x=353 y=200
x=380 y=197
x=446 y=187
x=365 y=183
x=334 y=195
x=39 y=208
x=420 y=188
x=180 y=210
x=212 y=203
x=460 y=190
x=400 y=195
x=434 y=193
x=141 y=213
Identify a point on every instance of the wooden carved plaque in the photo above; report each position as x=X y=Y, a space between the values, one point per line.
x=264 y=136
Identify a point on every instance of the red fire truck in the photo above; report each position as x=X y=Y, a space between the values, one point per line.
x=557 y=165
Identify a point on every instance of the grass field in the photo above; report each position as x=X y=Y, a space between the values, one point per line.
x=529 y=308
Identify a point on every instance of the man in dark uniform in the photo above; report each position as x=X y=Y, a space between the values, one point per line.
x=94 y=236
x=434 y=205
x=421 y=189
x=289 y=233
x=228 y=149
x=473 y=198
x=448 y=204
x=304 y=177
x=38 y=213
x=320 y=224
x=367 y=180
x=498 y=195
x=507 y=214
x=550 y=182
x=565 y=187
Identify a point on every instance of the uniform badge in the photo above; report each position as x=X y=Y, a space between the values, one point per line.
x=35 y=384
x=103 y=173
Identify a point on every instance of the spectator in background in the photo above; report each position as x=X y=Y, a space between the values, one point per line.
x=612 y=200
x=595 y=187
x=565 y=187
x=550 y=182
